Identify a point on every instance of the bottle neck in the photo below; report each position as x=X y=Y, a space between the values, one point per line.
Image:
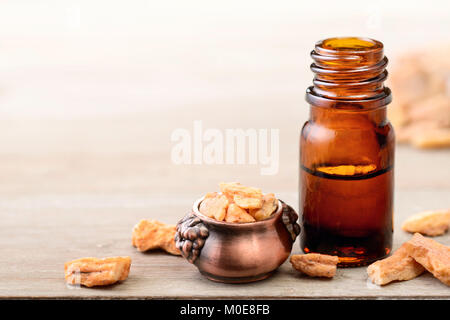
x=349 y=74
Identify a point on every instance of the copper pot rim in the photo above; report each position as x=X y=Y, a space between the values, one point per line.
x=272 y=218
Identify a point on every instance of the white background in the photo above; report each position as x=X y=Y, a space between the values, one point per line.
x=84 y=58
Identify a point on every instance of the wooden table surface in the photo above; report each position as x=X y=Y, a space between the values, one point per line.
x=66 y=194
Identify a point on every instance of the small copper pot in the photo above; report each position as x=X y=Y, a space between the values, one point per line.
x=237 y=252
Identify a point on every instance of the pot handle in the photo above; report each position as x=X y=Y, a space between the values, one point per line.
x=289 y=218
x=191 y=236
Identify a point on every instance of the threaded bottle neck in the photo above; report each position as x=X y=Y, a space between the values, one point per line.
x=349 y=70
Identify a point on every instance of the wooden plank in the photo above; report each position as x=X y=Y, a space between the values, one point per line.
x=39 y=234
x=75 y=188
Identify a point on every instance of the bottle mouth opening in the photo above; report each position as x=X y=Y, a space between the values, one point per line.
x=346 y=45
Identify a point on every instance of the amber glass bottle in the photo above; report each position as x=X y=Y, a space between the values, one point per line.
x=347 y=154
